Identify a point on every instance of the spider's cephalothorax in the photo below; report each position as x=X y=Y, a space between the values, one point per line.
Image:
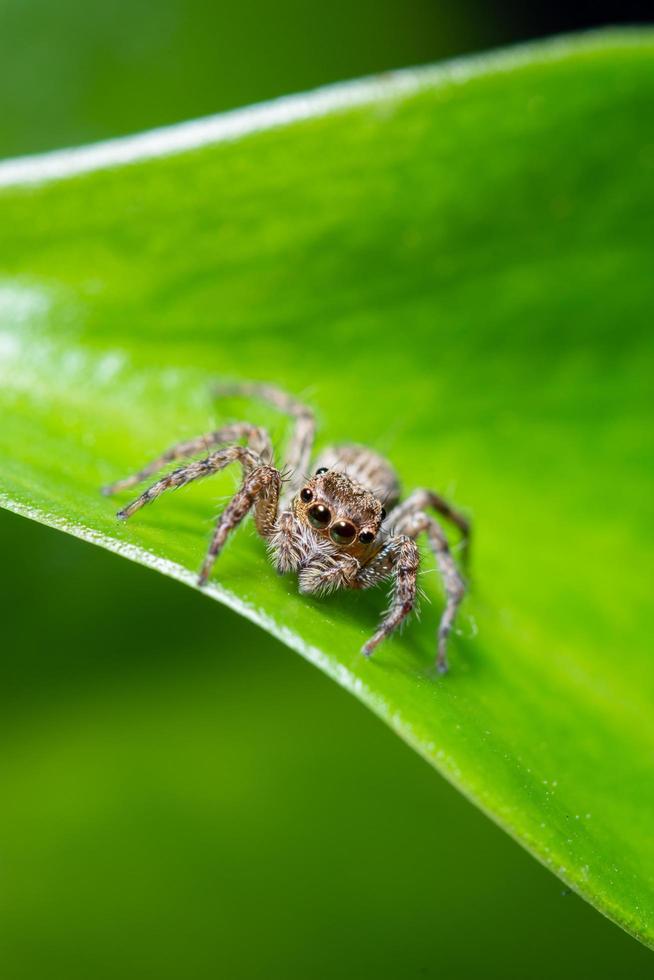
x=337 y=525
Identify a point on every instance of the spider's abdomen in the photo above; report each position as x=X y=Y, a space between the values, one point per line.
x=365 y=467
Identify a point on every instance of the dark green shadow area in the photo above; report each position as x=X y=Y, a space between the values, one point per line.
x=72 y=72
x=183 y=797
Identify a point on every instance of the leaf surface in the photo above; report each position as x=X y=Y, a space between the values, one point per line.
x=452 y=266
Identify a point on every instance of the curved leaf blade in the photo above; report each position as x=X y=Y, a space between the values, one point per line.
x=456 y=271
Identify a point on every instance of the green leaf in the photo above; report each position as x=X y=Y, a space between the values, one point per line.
x=453 y=266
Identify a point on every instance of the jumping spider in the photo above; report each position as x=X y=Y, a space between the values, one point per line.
x=331 y=528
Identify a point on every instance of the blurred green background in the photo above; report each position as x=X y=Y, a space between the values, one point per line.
x=162 y=814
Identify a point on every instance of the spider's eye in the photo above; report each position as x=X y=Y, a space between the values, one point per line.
x=306 y=494
x=343 y=532
x=321 y=469
x=366 y=537
x=319 y=515
x=383 y=513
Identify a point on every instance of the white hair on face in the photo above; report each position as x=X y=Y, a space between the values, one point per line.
x=294 y=544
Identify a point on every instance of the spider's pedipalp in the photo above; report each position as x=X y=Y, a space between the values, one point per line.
x=292 y=545
x=328 y=573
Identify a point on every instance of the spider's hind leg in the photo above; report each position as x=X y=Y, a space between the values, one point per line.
x=401 y=559
x=417 y=503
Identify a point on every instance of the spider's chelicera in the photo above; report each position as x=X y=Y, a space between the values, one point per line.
x=330 y=528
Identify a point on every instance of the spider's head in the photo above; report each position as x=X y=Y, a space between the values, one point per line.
x=339 y=509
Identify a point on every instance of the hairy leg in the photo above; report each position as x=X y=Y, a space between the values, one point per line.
x=257 y=439
x=260 y=488
x=401 y=559
x=299 y=450
x=200 y=468
x=413 y=525
x=418 y=501
x=285 y=544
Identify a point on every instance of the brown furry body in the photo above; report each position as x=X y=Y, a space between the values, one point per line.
x=332 y=529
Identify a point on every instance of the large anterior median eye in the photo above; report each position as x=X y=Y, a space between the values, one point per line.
x=319 y=515
x=343 y=532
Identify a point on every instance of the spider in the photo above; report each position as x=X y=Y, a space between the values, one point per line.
x=332 y=527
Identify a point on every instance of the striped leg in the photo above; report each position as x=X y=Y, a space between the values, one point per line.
x=298 y=453
x=401 y=559
x=413 y=525
x=200 y=468
x=257 y=439
x=260 y=488
x=418 y=501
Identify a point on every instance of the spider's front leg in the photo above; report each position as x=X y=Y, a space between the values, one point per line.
x=197 y=470
x=260 y=489
x=257 y=438
x=401 y=559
